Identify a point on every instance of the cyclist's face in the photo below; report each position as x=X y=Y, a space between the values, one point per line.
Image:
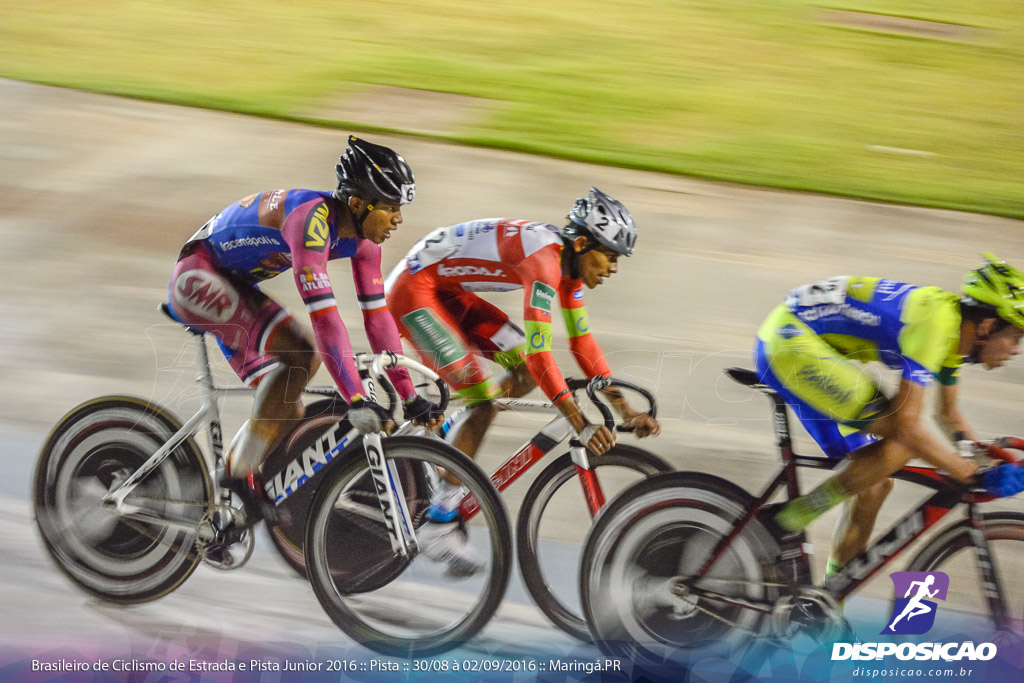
x=1001 y=346
x=598 y=264
x=384 y=217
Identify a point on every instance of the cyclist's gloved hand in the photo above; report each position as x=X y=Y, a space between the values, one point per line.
x=1001 y=480
x=965 y=448
x=597 y=438
x=641 y=424
x=422 y=412
x=369 y=417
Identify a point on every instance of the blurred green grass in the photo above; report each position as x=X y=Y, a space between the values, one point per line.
x=744 y=91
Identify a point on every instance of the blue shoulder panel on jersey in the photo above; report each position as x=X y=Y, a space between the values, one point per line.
x=344 y=248
x=297 y=198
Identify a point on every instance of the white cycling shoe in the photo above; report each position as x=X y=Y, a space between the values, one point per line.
x=448 y=543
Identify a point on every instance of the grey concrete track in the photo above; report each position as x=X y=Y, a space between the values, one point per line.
x=97 y=194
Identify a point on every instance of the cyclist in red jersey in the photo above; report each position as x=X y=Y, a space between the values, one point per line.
x=215 y=288
x=431 y=296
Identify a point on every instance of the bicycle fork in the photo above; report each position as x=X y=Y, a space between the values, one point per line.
x=390 y=496
x=588 y=478
x=989 y=579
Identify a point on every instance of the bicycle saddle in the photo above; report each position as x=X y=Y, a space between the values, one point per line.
x=743 y=376
x=166 y=310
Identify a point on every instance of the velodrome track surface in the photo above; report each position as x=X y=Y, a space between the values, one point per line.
x=97 y=194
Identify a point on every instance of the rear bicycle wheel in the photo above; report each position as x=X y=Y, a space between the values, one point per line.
x=404 y=606
x=92 y=450
x=666 y=527
x=553 y=522
x=952 y=552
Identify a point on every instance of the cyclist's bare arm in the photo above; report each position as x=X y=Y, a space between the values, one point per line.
x=949 y=416
x=903 y=424
x=641 y=423
x=601 y=438
x=590 y=358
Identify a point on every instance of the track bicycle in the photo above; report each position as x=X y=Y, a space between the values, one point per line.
x=685 y=561
x=543 y=563
x=128 y=505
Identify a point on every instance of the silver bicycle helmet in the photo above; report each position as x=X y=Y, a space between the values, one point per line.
x=605 y=218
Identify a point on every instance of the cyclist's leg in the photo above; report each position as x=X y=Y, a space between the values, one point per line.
x=853 y=528
x=263 y=345
x=278 y=406
x=431 y=319
x=832 y=397
x=500 y=340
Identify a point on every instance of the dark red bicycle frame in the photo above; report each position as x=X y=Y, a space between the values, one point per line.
x=948 y=494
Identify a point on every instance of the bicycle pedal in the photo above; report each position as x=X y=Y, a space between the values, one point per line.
x=219 y=558
x=230 y=550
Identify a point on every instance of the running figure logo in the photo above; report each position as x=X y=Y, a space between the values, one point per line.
x=914 y=613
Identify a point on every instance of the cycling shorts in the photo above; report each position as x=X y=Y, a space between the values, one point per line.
x=241 y=317
x=833 y=397
x=452 y=329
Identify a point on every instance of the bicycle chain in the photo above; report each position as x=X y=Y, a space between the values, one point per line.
x=692 y=602
x=722 y=619
x=140 y=526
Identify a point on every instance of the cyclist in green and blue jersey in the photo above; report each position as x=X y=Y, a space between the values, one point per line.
x=805 y=350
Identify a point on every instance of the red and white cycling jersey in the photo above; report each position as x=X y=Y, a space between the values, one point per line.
x=497 y=255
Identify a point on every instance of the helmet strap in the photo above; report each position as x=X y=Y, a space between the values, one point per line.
x=358 y=220
x=570 y=260
x=979 y=342
x=975 y=356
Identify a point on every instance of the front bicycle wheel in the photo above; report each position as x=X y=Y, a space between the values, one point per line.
x=128 y=558
x=404 y=606
x=952 y=552
x=553 y=522
x=662 y=529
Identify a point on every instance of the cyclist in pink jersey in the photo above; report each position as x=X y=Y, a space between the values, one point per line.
x=215 y=288
x=431 y=296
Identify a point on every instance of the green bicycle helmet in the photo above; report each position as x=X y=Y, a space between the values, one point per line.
x=999 y=286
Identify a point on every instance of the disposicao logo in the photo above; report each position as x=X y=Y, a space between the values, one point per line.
x=914 y=614
x=914 y=609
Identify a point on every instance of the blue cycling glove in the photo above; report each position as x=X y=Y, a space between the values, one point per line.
x=1003 y=480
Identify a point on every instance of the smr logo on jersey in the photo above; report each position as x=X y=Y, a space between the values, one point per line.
x=205 y=294
x=914 y=613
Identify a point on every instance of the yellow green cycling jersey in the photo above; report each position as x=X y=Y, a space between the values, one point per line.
x=913 y=329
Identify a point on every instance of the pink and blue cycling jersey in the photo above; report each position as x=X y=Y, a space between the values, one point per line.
x=264 y=235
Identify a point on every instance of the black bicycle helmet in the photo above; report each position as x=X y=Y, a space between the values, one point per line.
x=374 y=172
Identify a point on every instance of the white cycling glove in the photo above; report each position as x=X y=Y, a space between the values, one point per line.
x=587 y=433
x=367 y=416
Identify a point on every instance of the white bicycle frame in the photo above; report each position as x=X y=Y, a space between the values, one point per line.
x=386 y=481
